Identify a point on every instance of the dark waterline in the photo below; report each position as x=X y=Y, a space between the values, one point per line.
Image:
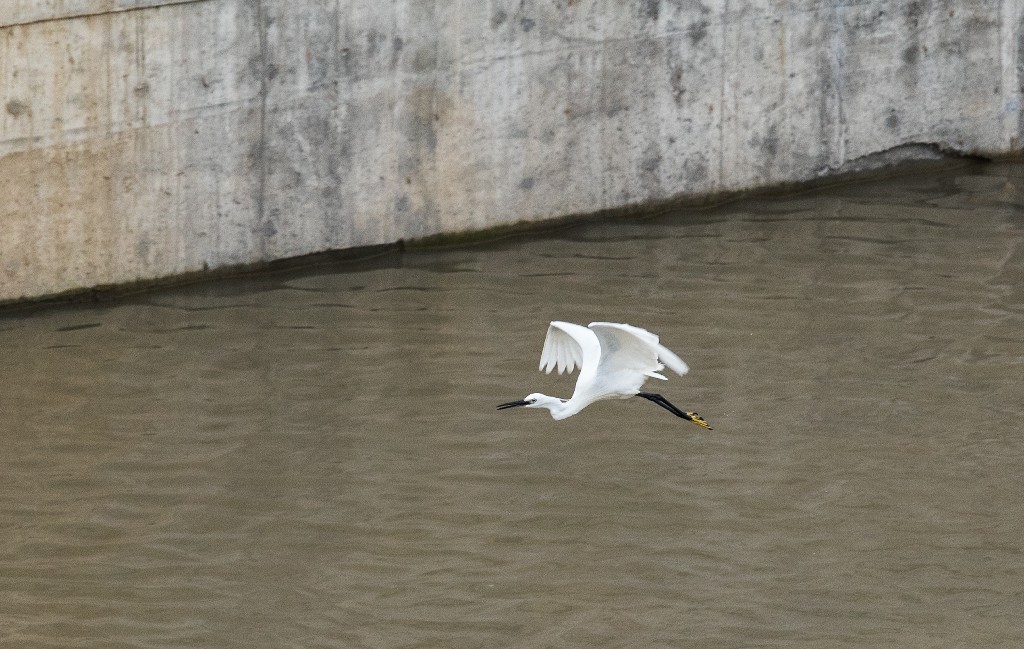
x=313 y=458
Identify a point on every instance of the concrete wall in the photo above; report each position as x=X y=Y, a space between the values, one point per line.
x=146 y=138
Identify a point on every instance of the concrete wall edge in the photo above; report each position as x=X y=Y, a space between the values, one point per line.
x=12 y=15
x=901 y=160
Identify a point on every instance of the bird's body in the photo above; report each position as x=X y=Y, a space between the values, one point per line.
x=615 y=360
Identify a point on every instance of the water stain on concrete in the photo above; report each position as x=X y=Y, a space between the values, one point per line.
x=697 y=31
x=16 y=108
x=397 y=45
x=913 y=12
x=374 y=39
x=428 y=107
x=770 y=142
x=678 y=87
x=425 y=59
x=651 y=164
x=651 y=9
x=696 y=172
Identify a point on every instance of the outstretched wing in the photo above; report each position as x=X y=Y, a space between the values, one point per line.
x=568 y=346
x=631 y=348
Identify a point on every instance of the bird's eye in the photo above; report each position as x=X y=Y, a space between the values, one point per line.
x=533 y=401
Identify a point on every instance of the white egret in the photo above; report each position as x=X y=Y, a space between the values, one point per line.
x=614 y=360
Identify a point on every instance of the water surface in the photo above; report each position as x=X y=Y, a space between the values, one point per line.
x=313 y=459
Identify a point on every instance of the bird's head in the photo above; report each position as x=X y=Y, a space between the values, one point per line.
x=535 y=400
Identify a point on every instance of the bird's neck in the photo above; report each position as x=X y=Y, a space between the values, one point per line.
x=560 y=408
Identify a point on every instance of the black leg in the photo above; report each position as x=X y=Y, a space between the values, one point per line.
x=664 y=403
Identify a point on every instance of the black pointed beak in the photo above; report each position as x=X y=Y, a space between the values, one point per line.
x=513 y=404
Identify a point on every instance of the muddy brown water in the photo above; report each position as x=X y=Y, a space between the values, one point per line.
x=314 y=459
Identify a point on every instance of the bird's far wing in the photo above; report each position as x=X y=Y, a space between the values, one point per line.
x=567 y=346
x=633 y=348
x=672 y=361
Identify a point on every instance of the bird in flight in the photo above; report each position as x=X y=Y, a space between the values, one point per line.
x=614 y=360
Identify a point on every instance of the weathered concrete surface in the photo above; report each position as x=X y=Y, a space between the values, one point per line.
x=146 y=138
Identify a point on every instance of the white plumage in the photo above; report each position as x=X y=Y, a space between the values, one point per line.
x=614 y=360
